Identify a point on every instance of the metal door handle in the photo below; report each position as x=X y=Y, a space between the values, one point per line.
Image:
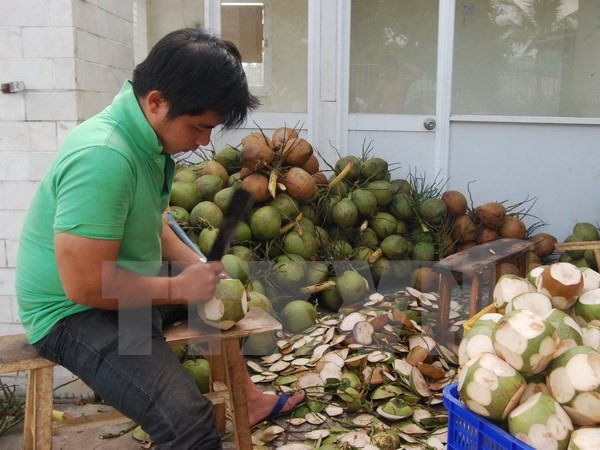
x=429 y=123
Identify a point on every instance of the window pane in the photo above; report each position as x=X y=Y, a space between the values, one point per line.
x=529 y=58
x=164 y=16
x=393 y=53
x=275 y=53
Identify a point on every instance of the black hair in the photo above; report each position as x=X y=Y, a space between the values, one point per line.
x=197 y=72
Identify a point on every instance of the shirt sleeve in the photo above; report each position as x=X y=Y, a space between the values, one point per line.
x=94 y=190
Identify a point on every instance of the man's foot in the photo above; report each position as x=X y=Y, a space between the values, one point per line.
x=271 y=406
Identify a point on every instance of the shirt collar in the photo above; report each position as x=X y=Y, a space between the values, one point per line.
x=126 y=105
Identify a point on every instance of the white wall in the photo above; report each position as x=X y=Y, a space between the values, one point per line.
x=73 y=56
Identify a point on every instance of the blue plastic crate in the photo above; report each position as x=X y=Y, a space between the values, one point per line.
x=468 y=430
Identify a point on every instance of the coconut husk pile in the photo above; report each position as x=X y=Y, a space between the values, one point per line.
x=373 y=374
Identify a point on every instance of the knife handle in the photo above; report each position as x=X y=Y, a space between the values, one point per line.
x=184 y=237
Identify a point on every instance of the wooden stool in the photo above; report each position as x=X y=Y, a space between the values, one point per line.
x=227 y=372
x=474 y=263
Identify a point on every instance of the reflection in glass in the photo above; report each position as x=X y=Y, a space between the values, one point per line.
x=393 y=52
x=529 y=58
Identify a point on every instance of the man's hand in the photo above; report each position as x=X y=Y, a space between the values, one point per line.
x=196 y=283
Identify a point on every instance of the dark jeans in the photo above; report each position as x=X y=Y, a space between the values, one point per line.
x=151 y=389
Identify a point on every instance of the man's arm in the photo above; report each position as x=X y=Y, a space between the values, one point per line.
x=89 y=273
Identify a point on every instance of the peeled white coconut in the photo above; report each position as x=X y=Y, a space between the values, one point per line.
x=541 y=423
x=489 y=386
x=591 y=336
x=585 y=439
x=562 y=282
x=508 y=287
x=525 y=341
x=569 y=332
x=587 y=308
x=227 y=307
x=535 y=302
x=478 y=339
x=534 y=274
x=535 y=384
x=574 y=380
x=591 y=279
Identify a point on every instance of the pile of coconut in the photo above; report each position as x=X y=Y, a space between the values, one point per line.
x=533 y=366
x=327 y=233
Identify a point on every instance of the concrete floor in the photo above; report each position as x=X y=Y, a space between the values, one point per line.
x=90 y=439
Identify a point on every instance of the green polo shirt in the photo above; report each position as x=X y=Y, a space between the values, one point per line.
x=110 y=180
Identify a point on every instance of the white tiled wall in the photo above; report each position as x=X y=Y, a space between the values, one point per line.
x=73 y=56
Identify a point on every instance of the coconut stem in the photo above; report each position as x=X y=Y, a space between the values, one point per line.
x=288 y=226
x=273 y=183
x=339 y=178
x=375 y=256
x=319 y=287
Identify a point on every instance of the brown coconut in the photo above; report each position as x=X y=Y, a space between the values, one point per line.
x=299 y=184
x=512 y=227
x=507 y=268
x=311 y=165
x=256 y=154
x=426 y=280
x=464 y=229
x=562 y=282
x=244 y=172
x=296 y=152
x=258 y=185
x=456 y=203
x=282 y=135
x=486 y=234
x=258 y=136
x=543 y=244
x=491 y=214
x=320 y=178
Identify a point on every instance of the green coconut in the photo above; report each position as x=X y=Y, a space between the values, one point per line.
x=394 y=247
x=569 y=333
x=386 y=440
x=140 y=435
x=258 y=300
x=367 y=238
x=575 y=254
x=587 y=307
x=525 y=341
x=533 y=301
x=355 y=167
x=235 y=267
x=206 y=214
x=234 y=179
x=286 y=205
x=260 y=344
x=541 y=422
x=574 y=381
x=344 y=213
x=384 y=224
x=223 y=198
x=265 y=223
x=298 y=315
x=508 y=287
x=587 y=231
x=361 y=254
x=199 y=370
x=489 y=386
x=288 y=272
x=382 y=190
x=229 y=158
x=185 y=174
x=207 y=239
x=478 y=339
x=433 y=210
x=184 y=194
x=242 y=252
x=181 y=215
x=401 y=207
x=585 y=439
x=395 y=409
x=365 y=202
x=351 y=286
x=307 y=226
x=535 y=384
x=401 y=185
x=242 y=234
x=423 y=251
x=228 y=306
x=374 y=169
x=316 y=272
x=338 y=250
x=331 y=298
x=208 y=186
x=591 y=336
x=305 y=245
x=562 y=282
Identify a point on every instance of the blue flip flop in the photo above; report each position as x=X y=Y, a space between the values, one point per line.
x=281 y=401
